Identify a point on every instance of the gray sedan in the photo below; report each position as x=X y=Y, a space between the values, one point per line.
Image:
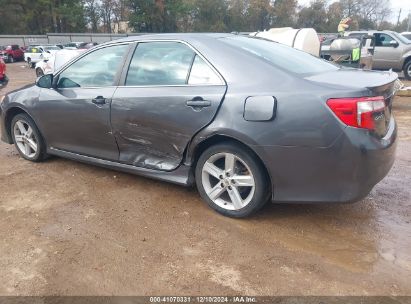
x=245 y=119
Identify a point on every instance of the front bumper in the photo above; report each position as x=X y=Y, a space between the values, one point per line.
x=346 y=171
x=4 y=136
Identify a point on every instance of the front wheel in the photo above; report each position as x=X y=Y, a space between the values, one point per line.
x=407 y=70
x=27 y=138
x=231 y=180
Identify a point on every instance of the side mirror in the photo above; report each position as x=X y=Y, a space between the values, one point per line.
x=394 y=43
x=45 y=81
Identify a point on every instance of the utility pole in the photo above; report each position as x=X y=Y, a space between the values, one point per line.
x=399 y=16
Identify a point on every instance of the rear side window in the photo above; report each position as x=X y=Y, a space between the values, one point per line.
x=160 y=63
x=202 y=74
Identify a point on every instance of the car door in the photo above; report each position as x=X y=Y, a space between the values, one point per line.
x=75 y=115
x=169 y=93
x=386 y=56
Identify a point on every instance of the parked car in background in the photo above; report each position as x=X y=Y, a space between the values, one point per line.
x=55 y=61
x=407 y=35
x=245 y=119
x=72 y=45
x=38 y=53
x=392 y=51
x=11 y=53
x=3 y=68
x=87 y=45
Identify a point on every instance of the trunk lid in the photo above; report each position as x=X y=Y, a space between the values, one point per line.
x=377 y=83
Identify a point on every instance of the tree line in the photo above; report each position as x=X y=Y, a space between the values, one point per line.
x=64 y=16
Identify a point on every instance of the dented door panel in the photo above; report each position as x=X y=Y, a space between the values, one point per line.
x=153 y=125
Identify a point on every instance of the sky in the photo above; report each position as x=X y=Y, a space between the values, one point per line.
x=395 y=6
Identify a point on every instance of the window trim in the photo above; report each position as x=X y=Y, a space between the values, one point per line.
x=117 y=78
x=122 y=82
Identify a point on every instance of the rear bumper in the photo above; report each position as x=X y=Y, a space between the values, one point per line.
x=344 y=172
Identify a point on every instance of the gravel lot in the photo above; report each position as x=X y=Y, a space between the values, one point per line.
x=68 y=228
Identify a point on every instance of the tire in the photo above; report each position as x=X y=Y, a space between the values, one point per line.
x=231 y=199
x=407 y=70
x=39 y=72
x=29 y=62
x=10 y=59
x=25 y=141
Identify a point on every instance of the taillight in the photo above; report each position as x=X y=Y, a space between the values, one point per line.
x=359 y=112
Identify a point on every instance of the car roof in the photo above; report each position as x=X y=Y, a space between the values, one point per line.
x=370 y=31
x=173 y=36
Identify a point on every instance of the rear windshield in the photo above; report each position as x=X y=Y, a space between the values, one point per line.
x=282 y=56
x=51 y=48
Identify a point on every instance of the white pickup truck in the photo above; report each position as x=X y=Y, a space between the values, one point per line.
x=54 y=62
x=38 y=53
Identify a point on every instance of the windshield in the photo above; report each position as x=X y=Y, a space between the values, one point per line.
x=282 y=56
x=401 y=38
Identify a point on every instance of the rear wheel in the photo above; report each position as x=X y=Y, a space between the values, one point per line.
x=231 y=180
x=27 y=138
x=407 y=70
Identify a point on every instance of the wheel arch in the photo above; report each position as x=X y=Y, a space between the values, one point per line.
x=406 y=60
x=9 y=115
x=195 y=150
x=38 y=69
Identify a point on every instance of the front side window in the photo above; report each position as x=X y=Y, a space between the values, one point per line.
x=97 y=69
x=160 y=63
x=383 y=40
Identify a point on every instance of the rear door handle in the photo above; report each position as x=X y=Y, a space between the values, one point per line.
x=99 y=100
x=199 y=103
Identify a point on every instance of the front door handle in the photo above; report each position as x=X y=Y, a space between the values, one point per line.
x=99 y=100
x=198 y=103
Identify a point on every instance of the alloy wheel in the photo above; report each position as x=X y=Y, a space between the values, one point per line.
x=228 y=181
x=25 y=139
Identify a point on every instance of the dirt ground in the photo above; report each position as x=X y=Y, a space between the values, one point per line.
x=68 y=228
